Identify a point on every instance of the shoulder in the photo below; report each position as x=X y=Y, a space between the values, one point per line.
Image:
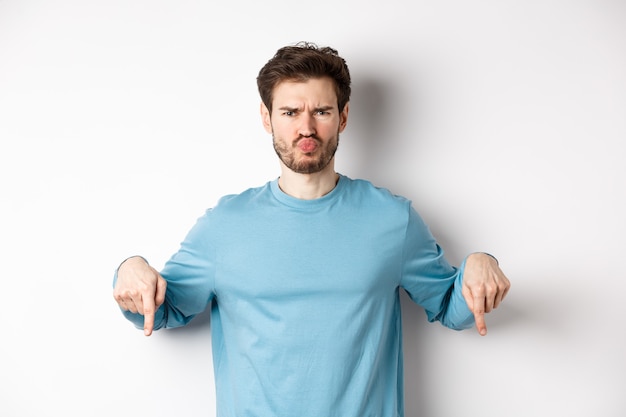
x=367 y=192
x=242 y=200
x=229 y=208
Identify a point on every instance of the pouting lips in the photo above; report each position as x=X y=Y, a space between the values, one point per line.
x=307 y=145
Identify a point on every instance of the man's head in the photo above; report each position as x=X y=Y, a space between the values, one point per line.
x=302 y=62
x=305 y=92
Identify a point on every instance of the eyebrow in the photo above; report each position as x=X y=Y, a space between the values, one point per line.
x=321 y=108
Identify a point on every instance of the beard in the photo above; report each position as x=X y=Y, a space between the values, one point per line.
x=309 y=163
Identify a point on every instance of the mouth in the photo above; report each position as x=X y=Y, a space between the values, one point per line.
x=307 y=145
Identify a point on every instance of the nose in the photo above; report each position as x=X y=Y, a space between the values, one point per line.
x=306 y=127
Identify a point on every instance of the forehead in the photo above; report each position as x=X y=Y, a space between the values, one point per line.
x=314 y=90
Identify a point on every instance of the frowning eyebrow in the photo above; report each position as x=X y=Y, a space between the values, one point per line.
x=296 y=109
x=324 y=108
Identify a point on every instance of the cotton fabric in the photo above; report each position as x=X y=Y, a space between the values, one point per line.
x=304 y=298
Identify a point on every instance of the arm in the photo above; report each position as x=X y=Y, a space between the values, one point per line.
x=430 y=280
x=171 y=298
x=457 y=298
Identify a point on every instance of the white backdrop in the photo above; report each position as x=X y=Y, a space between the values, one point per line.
x=505 y=123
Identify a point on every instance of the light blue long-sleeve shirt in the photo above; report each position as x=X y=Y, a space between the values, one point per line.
x=304 y=298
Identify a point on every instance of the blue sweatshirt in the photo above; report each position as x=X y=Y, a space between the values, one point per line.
x=304 y=298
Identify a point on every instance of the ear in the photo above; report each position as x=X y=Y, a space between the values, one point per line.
x=343 y=117
x=266 y=118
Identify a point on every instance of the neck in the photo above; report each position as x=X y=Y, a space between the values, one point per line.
x=308 y=186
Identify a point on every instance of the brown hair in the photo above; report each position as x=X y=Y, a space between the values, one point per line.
x=301 y=62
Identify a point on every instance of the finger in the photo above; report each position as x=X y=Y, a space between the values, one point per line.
x=508 y=287
x=503 y=290
x=126 y=303
x=159 y=298
x=134 y=301
x=481 y=325
x=118 y=299
x=148 y=315
x=498 y=299
x=492 y=295
x=506 y=292
x=489 y=301
x=479 y=315
x=148 y=324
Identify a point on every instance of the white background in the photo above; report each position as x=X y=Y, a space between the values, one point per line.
x=504 y=122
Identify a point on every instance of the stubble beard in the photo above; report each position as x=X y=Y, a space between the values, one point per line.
x=308 y=164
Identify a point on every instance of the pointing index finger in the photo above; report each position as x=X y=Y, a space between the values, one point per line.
x=148 y=316
x=479 y=315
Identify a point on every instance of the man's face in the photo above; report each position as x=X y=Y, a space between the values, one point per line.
x=305 y=124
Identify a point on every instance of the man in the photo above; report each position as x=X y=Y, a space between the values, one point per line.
x=303 y=274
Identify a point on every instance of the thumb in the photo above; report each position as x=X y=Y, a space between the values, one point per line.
x=161 y=287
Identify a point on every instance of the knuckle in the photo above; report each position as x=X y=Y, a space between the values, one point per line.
x=491 y=290
x=133 y=293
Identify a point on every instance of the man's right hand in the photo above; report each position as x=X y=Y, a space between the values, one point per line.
x=140 y=289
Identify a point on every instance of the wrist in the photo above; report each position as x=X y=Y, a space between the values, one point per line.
x=487 y=255
x=132 y=260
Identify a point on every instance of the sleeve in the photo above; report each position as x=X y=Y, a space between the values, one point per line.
x=190 y=276
x=430 y=280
